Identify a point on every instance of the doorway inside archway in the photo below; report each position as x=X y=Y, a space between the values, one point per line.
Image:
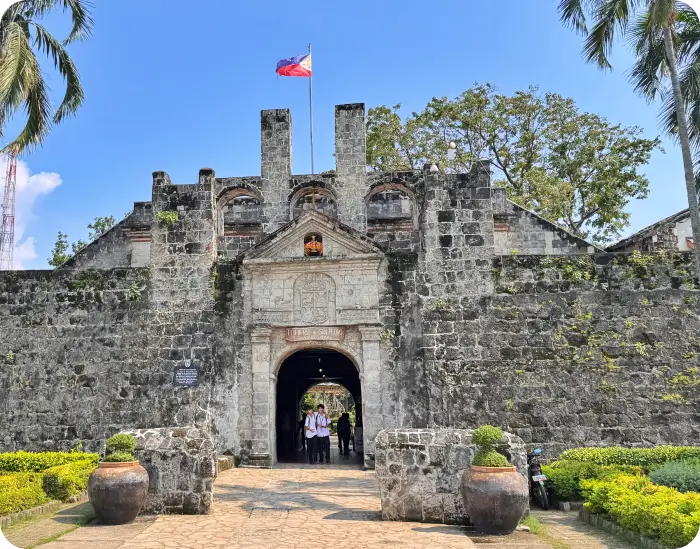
x=306 y=377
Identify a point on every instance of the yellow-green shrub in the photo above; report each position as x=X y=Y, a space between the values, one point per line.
x=644 y=457
x=20 y=491
x=67 y=480
x=40 y=461
x=565 y=476
x=638 y=505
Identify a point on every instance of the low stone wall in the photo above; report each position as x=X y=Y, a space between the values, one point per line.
x=181 y=465
x=419 y=472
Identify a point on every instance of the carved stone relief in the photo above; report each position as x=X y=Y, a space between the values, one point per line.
x=314 y=299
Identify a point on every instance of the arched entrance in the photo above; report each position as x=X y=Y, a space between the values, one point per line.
x=300 y=371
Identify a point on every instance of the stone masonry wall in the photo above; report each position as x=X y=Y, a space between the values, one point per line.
x=572 y=351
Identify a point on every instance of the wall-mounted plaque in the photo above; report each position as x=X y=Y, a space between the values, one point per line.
x=186 y=375
x=315 y=333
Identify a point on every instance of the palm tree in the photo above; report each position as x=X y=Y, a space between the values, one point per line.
x=21 y=81
x=653 y=26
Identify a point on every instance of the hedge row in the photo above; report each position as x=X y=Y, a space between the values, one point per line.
x=684 y=476
x=67 y=480
x=638 y=505
x=565 y=477
x=20 y=491
x=643 y=457
x=20 y=462
x=24 y=490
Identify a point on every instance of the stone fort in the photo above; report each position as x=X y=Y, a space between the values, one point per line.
x=435 y=300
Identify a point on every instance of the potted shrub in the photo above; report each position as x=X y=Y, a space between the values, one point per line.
x=495 y=494
x=119 y=486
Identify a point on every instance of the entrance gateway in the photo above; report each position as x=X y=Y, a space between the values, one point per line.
x=302 y=306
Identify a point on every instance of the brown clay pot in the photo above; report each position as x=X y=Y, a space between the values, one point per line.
x=117 y=491
x=495 y=498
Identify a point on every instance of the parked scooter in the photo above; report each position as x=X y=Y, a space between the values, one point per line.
x=538 y=490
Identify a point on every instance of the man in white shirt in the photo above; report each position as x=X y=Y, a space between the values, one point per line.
x=323 y=434
x=310 y=434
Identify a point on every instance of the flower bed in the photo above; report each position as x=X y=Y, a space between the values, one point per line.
x=30 y=479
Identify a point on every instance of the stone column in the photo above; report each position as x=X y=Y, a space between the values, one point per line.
x=262 y=432
x=371 y=390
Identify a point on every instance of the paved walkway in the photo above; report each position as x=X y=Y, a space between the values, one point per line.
x=300 y=507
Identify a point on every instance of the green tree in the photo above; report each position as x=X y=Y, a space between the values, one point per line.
x=22 y=83
x=307 y=402
x=664 y=60
x=97 y=228
x=59 y=254
x=575 y=169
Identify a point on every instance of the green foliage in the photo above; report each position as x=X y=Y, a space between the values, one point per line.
x=59 y=254
x=308 y=402
x=20 y=491
x=653 y=511
x=387 y=336
x=22 y=81
x=490 y=458
x=67 y=480
x=487 y=436
x=119 y=457
x=40 y=461
x=134 y=292
x=441 y=304
x=644 y=457
x=167 y=218
x=573 y=269
x=572 y=167
x=100 y=226
x=684 y=476
x=565 y=476
x=120 y=443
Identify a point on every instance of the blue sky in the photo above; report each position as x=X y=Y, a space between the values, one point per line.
x=177 y=87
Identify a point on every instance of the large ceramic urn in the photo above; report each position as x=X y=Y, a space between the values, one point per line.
x=495 y=498
x=118 y=491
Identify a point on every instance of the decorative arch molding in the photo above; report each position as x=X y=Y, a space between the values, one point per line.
x=291 y=348
x=391 y=206
x=318 y=193
x=243 y=189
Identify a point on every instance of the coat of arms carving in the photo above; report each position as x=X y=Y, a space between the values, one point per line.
x=314 y=299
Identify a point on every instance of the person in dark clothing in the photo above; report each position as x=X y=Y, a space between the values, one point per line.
x=344 y=433
x=300 y=429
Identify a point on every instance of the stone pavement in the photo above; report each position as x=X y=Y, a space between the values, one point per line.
x=294 y=506
x=567 y=528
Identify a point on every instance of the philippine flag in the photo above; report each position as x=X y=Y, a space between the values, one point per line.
x=296 y=66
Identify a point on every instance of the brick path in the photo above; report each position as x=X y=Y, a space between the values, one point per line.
x=298 y=507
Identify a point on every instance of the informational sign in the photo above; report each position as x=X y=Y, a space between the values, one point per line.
x=186 y=375
x=315 y=333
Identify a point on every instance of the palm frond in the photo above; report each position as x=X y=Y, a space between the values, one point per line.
x=81 y=15
x=650 y=66
x=571 y=13
x=74 y=96
x=611 y=17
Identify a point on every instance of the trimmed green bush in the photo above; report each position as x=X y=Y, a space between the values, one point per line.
x=67 y=480
x=565 y=476
x=40 y=461
x=120 y=443
x=654 y=511
x=485 y=438
x=119 y=457
x=684 y=476
x=644 y=457
x=20 y=491
x=490 y=458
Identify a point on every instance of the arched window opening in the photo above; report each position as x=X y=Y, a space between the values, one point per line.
x=313 y=245
x=317 y=199
x=391 y=208
x=241 y=212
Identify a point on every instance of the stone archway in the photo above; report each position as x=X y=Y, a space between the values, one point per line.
x=297 y=373
x=271 y=346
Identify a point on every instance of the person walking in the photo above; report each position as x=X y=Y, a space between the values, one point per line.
x=310 y=431
x=323 y=434
x=344 y=433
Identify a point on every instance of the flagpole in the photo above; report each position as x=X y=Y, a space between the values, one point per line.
x=311 y=114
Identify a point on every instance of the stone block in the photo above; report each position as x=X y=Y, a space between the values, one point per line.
x=429 y=492
x=181 y=465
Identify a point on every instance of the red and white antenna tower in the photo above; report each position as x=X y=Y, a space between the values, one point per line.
x=7 y=232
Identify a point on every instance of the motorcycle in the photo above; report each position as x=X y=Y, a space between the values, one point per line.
x=538 y=489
